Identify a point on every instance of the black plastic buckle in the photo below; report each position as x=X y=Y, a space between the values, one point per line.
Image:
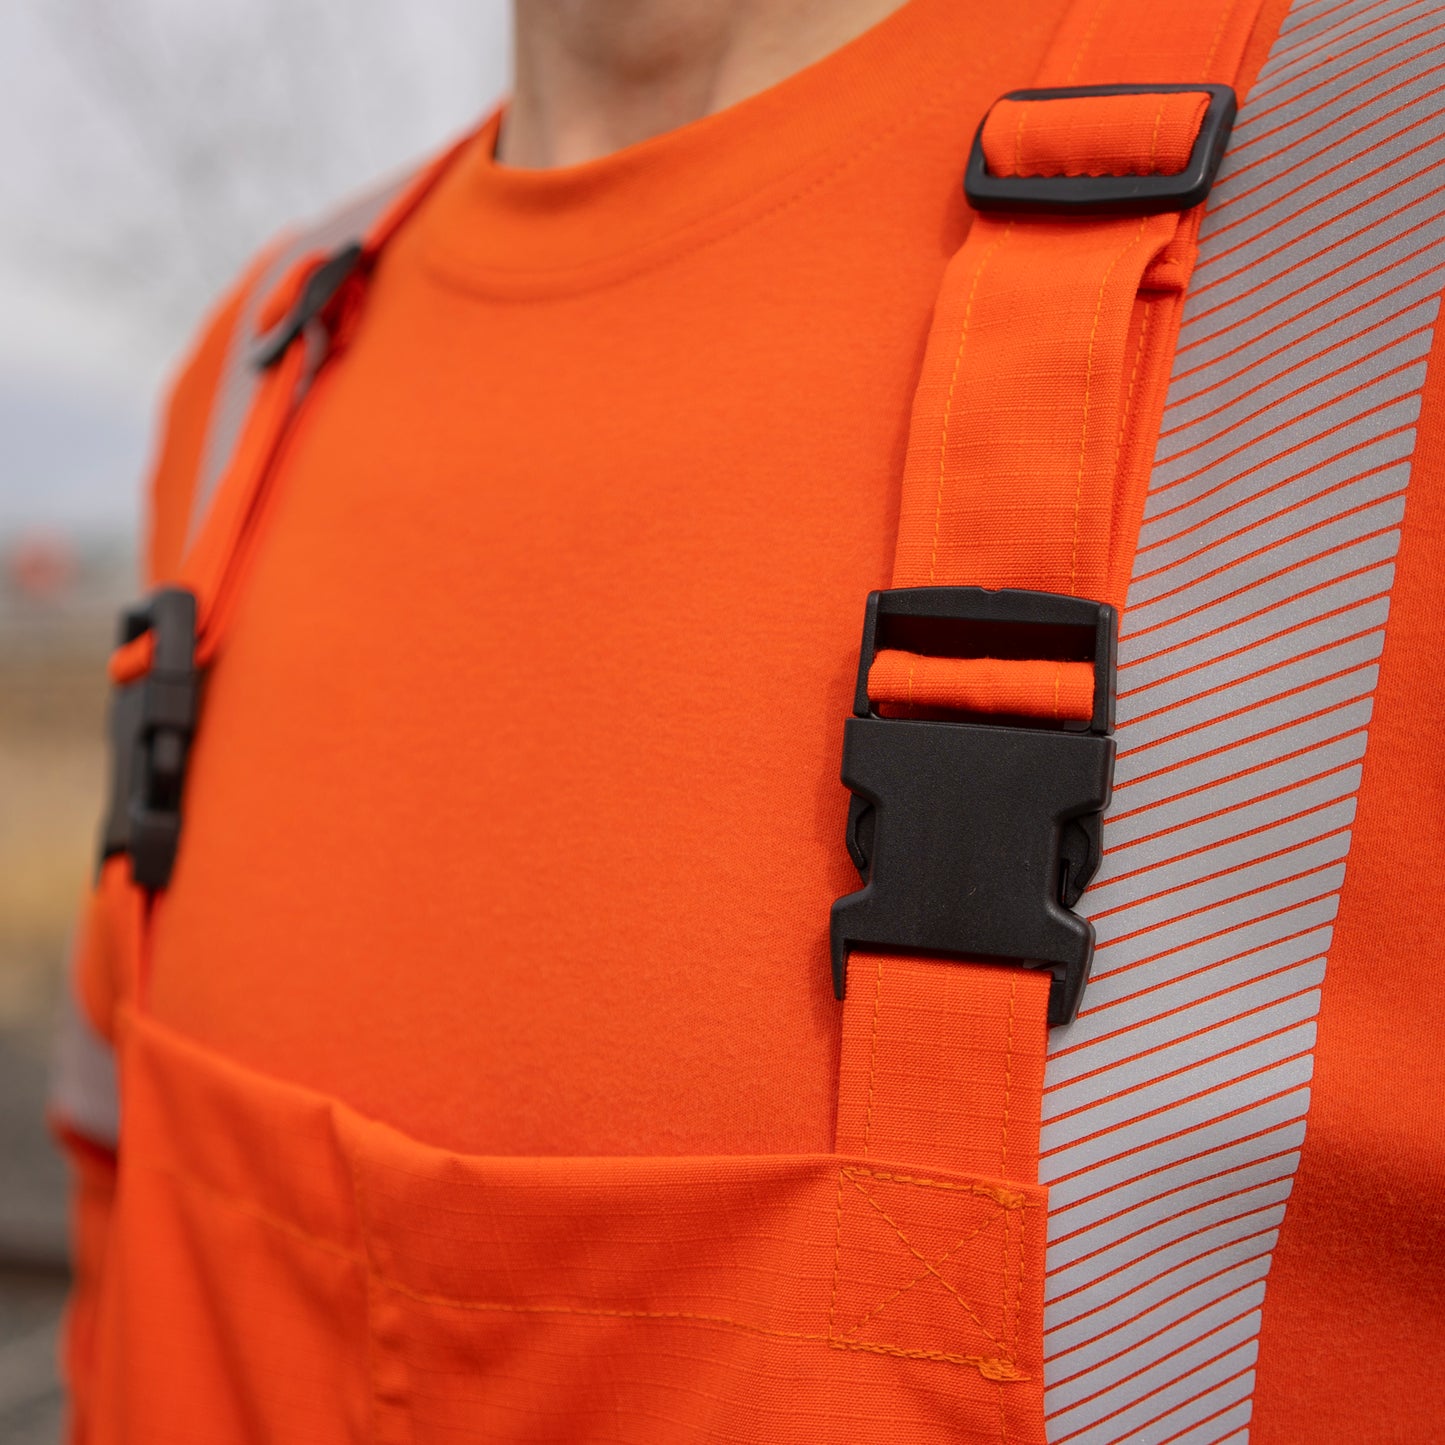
x=1133 y=194
x=976 y=839
x=152 y=722
x=316 y=295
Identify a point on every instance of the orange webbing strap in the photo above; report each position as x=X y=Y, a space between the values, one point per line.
x=1131 y=135
x=941 y=1065
x=216 y=560
x=1027 y=464
x=1013 y=685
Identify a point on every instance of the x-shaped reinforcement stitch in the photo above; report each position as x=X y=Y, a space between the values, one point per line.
x=932 y=1267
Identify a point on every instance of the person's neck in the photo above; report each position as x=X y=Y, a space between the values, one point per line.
x=594 y=76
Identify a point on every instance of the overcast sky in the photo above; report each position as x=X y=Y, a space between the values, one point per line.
x=153 y=145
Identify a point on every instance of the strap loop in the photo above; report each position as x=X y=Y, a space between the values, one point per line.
x=1120 y=149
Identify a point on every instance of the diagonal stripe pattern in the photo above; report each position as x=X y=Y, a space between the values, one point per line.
x=1175 y=1107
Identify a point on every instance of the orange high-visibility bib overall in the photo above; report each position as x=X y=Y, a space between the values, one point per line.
x=280 y=1266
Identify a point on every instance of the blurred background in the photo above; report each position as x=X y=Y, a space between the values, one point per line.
x=154 y=145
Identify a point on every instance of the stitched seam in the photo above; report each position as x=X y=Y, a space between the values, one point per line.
x=948 y=404
x=1019 y=139
x=1008 y=1062
x=1000 y=1368
x=1154 y=139
x=873 y=1052
x=1004 y=1198
x=919 y=1278
x=1086 y=40
x=1014 y=1278
x=1088 y=392
x=982 y=1362
x=640 y=260
x=1124 y=414
x=928 y=1266
x=992 y=1367
x=1003 y=1169
x=250 y=1210
x=1127 y=410
x=837 y=1256
x=1002 y=1408
x=1218 y=36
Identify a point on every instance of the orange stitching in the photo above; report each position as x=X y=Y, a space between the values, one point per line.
x=1133 y=379
x=1088 y=392
x=1013 y=1335
x=589 y=1311
x=991 y=1367
x=1013 y=1278
x=1085 y=42
x=1002 y=1410
x=1004 y=1198
x=837 y=1255
x=1154 y=139
x=1127 y=410
x=948 y=404
x=930 y=1268
x=456 y=272
x=1019 y=139
x=246 y=1207
x=919 y=1278
x=1218 y=36
x=912 y=666
x=873 y=1058
x=1008 y=1061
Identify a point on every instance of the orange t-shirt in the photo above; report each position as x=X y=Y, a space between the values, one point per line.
x=515 y=817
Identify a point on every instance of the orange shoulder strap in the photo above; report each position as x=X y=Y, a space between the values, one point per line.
x=1027 y=464
x=307 y=297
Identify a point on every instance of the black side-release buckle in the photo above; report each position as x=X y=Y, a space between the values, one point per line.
x=152 y=721
x=1133 y=194
x=975 y=839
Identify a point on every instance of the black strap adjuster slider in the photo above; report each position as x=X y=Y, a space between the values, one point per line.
x=1095 y=194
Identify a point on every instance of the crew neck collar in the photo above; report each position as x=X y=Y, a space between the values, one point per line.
x=500 y=228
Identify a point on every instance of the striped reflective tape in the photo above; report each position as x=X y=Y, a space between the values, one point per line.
x=1175 y=1107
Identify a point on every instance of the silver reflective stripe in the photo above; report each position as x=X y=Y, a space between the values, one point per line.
x=237 y=387
x=1175 y=1107
x=84 y=1091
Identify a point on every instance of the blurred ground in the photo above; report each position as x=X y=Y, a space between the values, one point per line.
x=30 y=1402
x=56 y=617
